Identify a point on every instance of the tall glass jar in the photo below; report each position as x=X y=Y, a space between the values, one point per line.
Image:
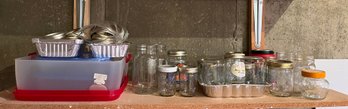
x=299 y=64
x=281 y=73
x=166 y=80
x=188 y=84
x=235 y=69
x=314 y=84
x=178 y=58
x=139 y=76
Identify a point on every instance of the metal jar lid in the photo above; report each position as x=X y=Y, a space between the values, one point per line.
x=234 y=55
x=191 y=69
x=262 y=51
x=177 y=53
x=168 y=68
x=282 y=64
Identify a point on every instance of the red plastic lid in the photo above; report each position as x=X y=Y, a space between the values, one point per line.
x=70 y=95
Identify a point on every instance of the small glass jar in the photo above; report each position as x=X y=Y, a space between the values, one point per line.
x=212 y=71
x=189 y=81
x=258 y=65
x=166 y=80
x=235 y=69
x=281 y=73
x=314 y=84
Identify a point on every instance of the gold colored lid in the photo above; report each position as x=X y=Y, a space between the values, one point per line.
x=234 y=55
x=281 y=64
x=312 y=73
x=177 y=53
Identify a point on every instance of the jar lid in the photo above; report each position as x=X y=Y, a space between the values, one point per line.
x=258 y=51
x=282 y=64
x=312 y=73
x=168 y=68
x=253 y=58
x=234 y=55
x=177 y=53
x=191 y=69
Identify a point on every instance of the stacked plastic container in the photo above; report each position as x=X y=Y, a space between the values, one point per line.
x=60 y=72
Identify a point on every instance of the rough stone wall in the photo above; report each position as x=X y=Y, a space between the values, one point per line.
x=318 y=27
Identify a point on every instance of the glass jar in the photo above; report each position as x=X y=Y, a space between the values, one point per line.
x=189 y=81
x=298 y=66
x=140 y=72
x=314 y=84
x=249 y=73
x=235 y=69
x=281 y=73
x=178 y=58
x=268 y=62
x=162 y=55
x=166 y=80
x=212 y=71
x=310 y=63
x=258 y=65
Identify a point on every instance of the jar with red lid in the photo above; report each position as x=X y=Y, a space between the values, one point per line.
x=263 y=53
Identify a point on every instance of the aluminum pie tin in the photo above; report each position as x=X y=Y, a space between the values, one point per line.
x=57 y=47
x=100 y=50
x=234 y=90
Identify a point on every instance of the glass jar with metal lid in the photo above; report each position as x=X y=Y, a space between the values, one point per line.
x=314 y=84
x=178 y=58
x=258 y=65
x=189 y=81
x=281 y=73
x=235 y=69
x=166 y=80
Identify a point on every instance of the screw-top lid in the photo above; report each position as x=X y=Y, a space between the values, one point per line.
x=234 y=55
x=253 y=58
x=191 y=69
x=249 y=66
x=312 y=73
x=258 y=51
x=282 y=64
x=177 y=53
x=168 y=68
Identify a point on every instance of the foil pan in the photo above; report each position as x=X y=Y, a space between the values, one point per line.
x=100 y=50
x=57 y=47
x=234 y=90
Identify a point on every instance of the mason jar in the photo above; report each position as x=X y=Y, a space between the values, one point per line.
x=177 y=58
x=189 y=82
x=314 y=84
x=212 y=71
x=258 y=65
x=235 y=69
x=281 y=73
x=166 y=80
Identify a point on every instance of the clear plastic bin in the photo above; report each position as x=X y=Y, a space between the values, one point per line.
x=35 y=73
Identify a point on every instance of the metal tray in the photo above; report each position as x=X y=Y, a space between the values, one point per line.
x=109 y=50
x=234 y=90
x=57 y=47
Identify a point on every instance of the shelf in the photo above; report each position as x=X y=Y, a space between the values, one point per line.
x=128 y=100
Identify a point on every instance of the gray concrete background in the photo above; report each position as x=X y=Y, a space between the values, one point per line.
x=202 y=27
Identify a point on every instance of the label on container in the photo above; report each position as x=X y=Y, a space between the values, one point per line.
x=100 y=78
x=238 y=69
x=151 y=64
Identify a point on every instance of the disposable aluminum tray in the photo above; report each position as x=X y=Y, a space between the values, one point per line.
x=109 y=50
x=57 y=47
x=234 y=90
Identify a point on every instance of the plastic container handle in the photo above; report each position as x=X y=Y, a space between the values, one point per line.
x=129 y=57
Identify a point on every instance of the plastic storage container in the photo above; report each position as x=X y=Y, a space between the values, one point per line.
x=69 y=79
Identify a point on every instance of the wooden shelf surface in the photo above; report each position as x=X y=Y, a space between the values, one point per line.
x=129 y=100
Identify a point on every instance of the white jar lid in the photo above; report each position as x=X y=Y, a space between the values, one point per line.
x=192 y=69
x=168 y=68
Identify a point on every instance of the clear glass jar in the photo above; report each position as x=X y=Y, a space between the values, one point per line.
x=314 y=84
x=162 y=55
x=235 y=69
x=178 y=58
x=189 y=82
x=166 y=80
x=268 y=62
x=212 y=71
x=298 y=66
x=281 y=73
x=249 y=73
x=139 y=77
x=258 y=65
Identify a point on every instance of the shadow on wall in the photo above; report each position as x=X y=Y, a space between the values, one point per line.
x=7 y=78
x=274 y=9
